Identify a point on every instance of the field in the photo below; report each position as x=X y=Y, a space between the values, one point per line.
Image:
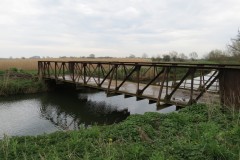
x=31 y=64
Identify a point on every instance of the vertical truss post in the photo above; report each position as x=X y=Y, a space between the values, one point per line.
x=174 y=77
x=167 y=79
x=98 y=70
x=72 y=70
x=201 y=80
x=85 y=73
x=55 y=70
x=44 y=69
x=154 y=71
x=138 y=68
x=44 y=66
x=63 y=74
x=40 y=76
x=222 y=81
x=111 y=78
x=116 y=76
x=125 y=71
x=166 y=69
x=48 y=69
x=192 y=86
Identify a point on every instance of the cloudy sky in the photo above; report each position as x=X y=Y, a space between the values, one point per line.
x=115 y=27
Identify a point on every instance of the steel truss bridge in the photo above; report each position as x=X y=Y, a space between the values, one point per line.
x=169 y=83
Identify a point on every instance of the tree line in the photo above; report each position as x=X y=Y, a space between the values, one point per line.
x=231 y=54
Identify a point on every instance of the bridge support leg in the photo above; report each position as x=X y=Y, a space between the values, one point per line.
x=40 y=75
x=229 y=83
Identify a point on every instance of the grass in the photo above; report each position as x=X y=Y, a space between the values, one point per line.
x=16 y=81
x=10 y=87
x=195 y=132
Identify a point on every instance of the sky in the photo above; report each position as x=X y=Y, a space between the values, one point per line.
x=118 y=28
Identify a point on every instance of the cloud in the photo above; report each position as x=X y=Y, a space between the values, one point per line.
x=115 y=27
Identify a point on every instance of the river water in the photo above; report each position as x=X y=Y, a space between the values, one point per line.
x=67 y=110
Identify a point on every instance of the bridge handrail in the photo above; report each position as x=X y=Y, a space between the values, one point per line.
x=160 y=64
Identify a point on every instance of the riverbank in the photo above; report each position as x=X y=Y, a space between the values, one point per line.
x=195 y=132
x=15 y=81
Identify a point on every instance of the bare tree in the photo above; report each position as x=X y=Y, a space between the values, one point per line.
x=144 y=55
x=156 y=59
x=193 y=55
x=182 y=57
x=216 y=55
x=173 y=55
x=234 y=47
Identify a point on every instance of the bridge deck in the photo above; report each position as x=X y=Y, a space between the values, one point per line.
x=180 y=97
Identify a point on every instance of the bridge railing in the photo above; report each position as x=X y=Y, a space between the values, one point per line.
x=161 y=82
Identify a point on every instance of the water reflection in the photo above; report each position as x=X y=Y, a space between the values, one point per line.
x=76 y=110
x=66 y=110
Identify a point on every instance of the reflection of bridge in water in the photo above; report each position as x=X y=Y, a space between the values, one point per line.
x=168 y=83
x=65 y=110
x=78 y=111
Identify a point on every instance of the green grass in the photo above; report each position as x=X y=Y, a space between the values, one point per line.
x=226 y=61
x=10 y=87
x=14 y=69
x=196 y=132
x=20 y=82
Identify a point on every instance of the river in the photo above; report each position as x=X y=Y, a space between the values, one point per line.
x=36 y=114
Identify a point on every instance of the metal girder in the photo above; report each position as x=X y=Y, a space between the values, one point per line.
x=171 y=79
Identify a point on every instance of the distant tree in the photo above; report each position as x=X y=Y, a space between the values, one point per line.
x=193 y=55
x=131 y=56
x=91 y=56
x=173 y=55
x=144 y=55
x=166 y=58
x=234 y=47
x=35 y=57
x=156 y=59
x=216 y=55
x=182 y=57
x=153 y=59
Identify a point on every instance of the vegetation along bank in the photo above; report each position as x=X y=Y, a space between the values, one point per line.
x=195 y=132
x=14 y=81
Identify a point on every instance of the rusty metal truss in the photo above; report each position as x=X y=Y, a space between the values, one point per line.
x=170 y=83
